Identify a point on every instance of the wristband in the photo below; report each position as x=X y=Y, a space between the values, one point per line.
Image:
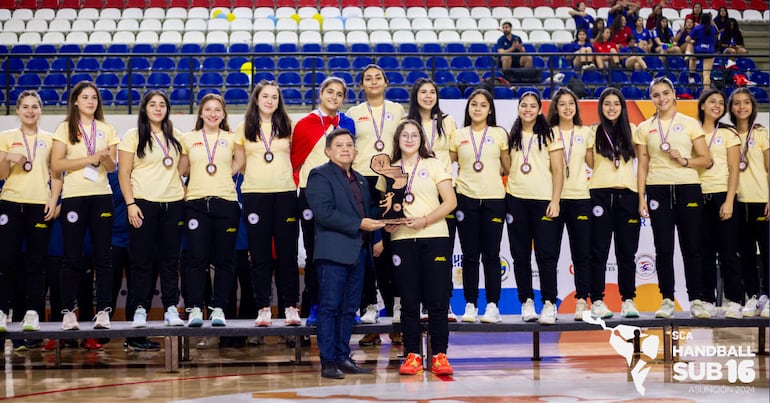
x=130 y=204
x=686 y=162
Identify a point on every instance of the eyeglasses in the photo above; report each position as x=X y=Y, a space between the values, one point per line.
x=409 y=136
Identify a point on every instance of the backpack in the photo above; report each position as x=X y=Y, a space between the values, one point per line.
x=577 y=86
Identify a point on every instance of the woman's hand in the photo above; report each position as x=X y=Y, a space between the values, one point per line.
x=552 y=211
x=135 y=216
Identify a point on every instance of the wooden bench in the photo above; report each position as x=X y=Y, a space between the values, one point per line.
x=177 y=339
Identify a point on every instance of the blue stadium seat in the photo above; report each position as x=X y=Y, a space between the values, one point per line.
x=49 y=96
x=469 y=78
x=53 y=80
x=547 y=93
x=345 y=76
x=498 y=73
x=159 y=80
x=235 y=63
x=13 y=96
x=653 y=63
x=745 y=64
x=412 y=63
x=78 y=77
x=443 y=77
x=388 y=63
x=236 y=96
x=237 y=80
x=313 y=78
x=143 y=48
x=522 y=90
x=311 y=48
x=617 y=77
x=413 y=76
x=450 y=93
x=503 y=92
x=107 y=80
x=121 y=98
x=163 y=63
x=309 y=61
x=240 y=48
x=94 y=48
x=530 y=48
x=38 y=65
x=559 y=63
x=3 y=50
x=468 y=91
x=118 y=48
x=336 y=48
x=461 y=63
x=288 y=63
x=548 y=48
x=341 y=63
x=213 y=63
x=211 y=79
x=70 y=48
x=483 y=63
x=359 y=62
x=761 y=78
x=264 y=63
x=684 y=93
x=87 y=64
x=478 y=48
x=408 y=48
x=107 y=97
x=677 y=63
x=437 y=63
x=360 y=48
x=185 y=80
x=187 y=63
x=113 y=64
x=670 y=76
x=432 y=48
x=21 y=49
x=684 y=78
x=384 y=48
x=399 y=95
x=215 y=48
x=394 y=78
x=593 y=77
x=45 y=48
x=289 y=79
x=2 y=93
x=632 y=93
x=139 y=63
x=454 y=48
x=136 y=80
x=13 y=65
x=205 y=91
x=760 y=94
x=288 y=48
x=641 y=78
x=167 y=49
x=65 y=95
x=291 y=96
x=261 y=75
x=264 y=48
x=28 y=81
x=180 y=96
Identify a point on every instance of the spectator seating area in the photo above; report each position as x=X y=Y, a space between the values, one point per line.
x=194 y=48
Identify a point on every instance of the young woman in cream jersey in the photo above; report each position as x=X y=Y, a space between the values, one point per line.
x=439 y=128
x=27 y=208
x=481 y=151
x=152 y=188
x=376 y=121
x=719 y=182
x=270 y=201
x=670 y=148
x=211 y=209
x=614 y=201
x=575 y=212
x=84 y=149
x=752 y=206
x=533 y=192
x=307 y=152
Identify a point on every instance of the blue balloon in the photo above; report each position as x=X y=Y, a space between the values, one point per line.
x=222 y=16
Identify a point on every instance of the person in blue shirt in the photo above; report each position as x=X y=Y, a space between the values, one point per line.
x=702 y=40
x=642 y=35
x=582 y=19
x=510 y=43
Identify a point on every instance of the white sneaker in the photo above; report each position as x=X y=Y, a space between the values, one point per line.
x=264 y=317
x=548 y=314
x=194 y=317
x=580 y=306
x=102 y=319
x=666 y=309
x=528 y=313
x=629 y=309
x=734 y=310
x=31 y=321
x=491 y=314
x=397 y=310
x=171 y=317
x=730 y=63
x=292 y=316
x=599 y=310
x=217 y=317
x=471 y=314
x=710 y=308
x=371 y=315
x=450 y=316
x=255 y=340
x=750 y=309
x=140 y=317
x=423 y=313
x=3 y=321
x=698 y=310
x=208 y=342
x=763 y=306
x=70 y=320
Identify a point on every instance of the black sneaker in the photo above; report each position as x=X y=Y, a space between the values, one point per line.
x=137 y=344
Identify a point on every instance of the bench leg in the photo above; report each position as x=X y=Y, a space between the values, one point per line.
x=761 y=342
x=56 y=354
x=297 y=350
x=536 y=346
x=185 y=350
x=667 y=353
x=428 y=351
x=172 y=353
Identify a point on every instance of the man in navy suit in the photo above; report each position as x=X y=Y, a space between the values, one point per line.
x=339 y=198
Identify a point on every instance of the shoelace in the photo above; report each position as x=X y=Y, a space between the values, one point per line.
x=105 y=311
x=441 y=360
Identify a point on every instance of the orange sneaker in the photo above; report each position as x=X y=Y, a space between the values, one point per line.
x=440 y=365
x=412 y=365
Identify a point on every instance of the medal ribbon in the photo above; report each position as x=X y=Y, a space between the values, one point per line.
x=163 y=148
x=609 y=139
x=477 y=150
x=334 y=121
x=745 y=151
x=411 y=176
x=529 y=148
x=567 y=153
x=668 y=129
x=713 y=135
x=30 y=156
x=210 y=153
x=89 y=143
x=377 y=132
x=434 y=132
x=262 y=136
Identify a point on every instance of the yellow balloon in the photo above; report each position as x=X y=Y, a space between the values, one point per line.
x=247 y=68
x=319 y=18
x=230 y=17
x=295 y=17
x=216 y=13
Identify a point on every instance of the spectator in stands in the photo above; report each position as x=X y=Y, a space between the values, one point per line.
x=211 y=210
x=731 y=41
x=421 y=247
x=597 y=30
x=424 y=109
x=680 y=39
x=719 y=181
x=670 y=149
x=376 y=120
x=620 y=32
x=480 y=149
x=625 y=8
x=27 y=208
x=642 y=35
x=753 y=207
x=722 y=18
x=583 y=20
x=606 y=51
x=696 y=15
x=263 y=140
x=533 y=193
x=655 y=16
x=575 y=210
x=86 y=198
x=510 y=43
x=583 y=50
x=614 y=199
x=663 y=39
x=703 y=40
x=339 y=198
x=633 y=63
x=307 y=152
x=154 y=197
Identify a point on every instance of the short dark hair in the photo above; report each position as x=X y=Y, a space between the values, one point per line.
x=341 y=131
x=508 y=23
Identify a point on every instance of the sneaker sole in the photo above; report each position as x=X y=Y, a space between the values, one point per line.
x=101 y=326
x=294 y=323
x=218 y=324
x=174 y=324
x=443 y=373
x=410 y=373
x=470 y=320
x=29 y=329
x=630 y=315
x=195 y=324
x=483 y=320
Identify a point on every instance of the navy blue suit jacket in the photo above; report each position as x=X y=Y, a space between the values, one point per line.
x=337 y=218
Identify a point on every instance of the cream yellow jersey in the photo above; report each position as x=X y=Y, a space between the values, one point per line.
x=575 y=143
x=606 y=175
x=714 y=179
x=22 y=186
x=679 y=134
x=77 y=182
x=480 y=150
x=260 y=175
x=535 y=160
x=752 y=185
x=151 y=179
x=221 y=145
x=374 y=125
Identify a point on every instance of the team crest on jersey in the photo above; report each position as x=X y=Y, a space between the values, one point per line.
x=100 y=134
x=718 y=141
x=489 y=140
x=192 y=224
x=396 y=260
x=41 y=144
x=388 y=116
x=654 y=204
x=460 y=215
x=751 y=142
x=72 y=217
x=253 y=218
x=678 y=128
x=509 y=218
x=307 y=214
x=579 y=139
x=222 y=143
x=423 y=173
x=3 y=219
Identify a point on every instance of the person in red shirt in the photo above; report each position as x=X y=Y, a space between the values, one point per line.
x=605 y=50
x=696 y=14
x=620 y=31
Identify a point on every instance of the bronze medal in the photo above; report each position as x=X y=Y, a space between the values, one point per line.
x=665 y=146
x=409 y=198
x=379 y=145
x=211 y=169
x=27 y=166
x=478 y=166
x=526 y=168
x=168 y=162
x=269 y=157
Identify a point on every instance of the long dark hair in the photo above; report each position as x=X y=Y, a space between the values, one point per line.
x=732 y=31
x=224 y=124
x=619 y=130
x=665 y=34
x=492 y=117
x=414 y=107
x=553 y=113
x=753 y=116
x=280 y=119
x=145 y=131
x=711 y=31
x=702 y=100
x=541 y=128
x=422 y=151
x=73 y=113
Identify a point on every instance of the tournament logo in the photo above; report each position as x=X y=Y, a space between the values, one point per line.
x=253 y=218
x=460 y=215
x=72 y=217
x=192 y=224
x=751 y=142
x=678 y=127
x=423 y=173
x=396 y=260
x=100 y=134
x=509 y=218
x=41 y=144
x=307 y=214
x=718 y=141
x=222 y=143
x=3 y=219
x=598 y=211
x=579 y=139
x=654 y=204
x=645 y=266
x=388 y=116
x=489 y=140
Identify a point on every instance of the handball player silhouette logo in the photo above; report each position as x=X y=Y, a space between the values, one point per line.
x=620 y=340
x=396 y=180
